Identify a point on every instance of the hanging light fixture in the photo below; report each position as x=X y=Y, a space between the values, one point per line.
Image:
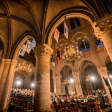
x=24 y=67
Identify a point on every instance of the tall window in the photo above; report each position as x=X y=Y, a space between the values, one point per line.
x=83 y=45
x=98 y=42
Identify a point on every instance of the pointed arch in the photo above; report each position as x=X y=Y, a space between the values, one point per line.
x=80 y=12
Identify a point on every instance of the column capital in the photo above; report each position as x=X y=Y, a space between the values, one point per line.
x=103 y=25
x=43 y=50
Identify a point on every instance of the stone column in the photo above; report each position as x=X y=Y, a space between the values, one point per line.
x=1 y=67
x=6 y=82
x=103 y=30
x=58 y=84
x=42 y=93
x=103 y=74
x=54 y=78
x=57 y=79
x=78 y=84
x=27 y=81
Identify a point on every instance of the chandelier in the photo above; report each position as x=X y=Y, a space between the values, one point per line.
x=71 y=51
x=68 y=52
x=24 y=67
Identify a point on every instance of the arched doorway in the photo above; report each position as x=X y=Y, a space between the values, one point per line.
x=90 y=79
x=67 y=81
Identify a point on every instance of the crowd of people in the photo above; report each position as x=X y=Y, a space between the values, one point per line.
x=24 y=92
x=21 y=100
x=90 y=103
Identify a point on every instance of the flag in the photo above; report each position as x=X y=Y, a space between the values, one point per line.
x=56 y=35
x=23 y=50
x=65 y=30
x=33 y=44
x=28 y=44
x=28 y=49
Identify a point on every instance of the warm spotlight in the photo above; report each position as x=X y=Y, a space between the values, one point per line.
x=110 y=76
x=93 y=78
x=71 y=81
x=32 y=85
x=18 y=83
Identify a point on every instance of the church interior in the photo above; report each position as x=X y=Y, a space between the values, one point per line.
x=55 y=55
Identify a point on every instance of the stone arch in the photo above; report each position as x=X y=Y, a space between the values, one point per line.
x=20 y=42
x=61 y=17
x=87 y=70
x=79 y=35
x=63 y=65
x=23 y=62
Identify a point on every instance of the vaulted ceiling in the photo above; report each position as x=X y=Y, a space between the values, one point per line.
x=36 y=17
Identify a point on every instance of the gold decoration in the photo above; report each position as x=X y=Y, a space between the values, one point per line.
x=24 y=67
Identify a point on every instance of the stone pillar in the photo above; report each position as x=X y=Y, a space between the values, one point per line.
x=103 y=74
x=42 y=93
x=103 y=30
x=27 y=81
x=58 y=79
x=77 y=84
x=54 y=78
x=6 y=82
x=58 y=84
x=1 y=67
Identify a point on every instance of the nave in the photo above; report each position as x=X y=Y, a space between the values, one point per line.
x=55 y=56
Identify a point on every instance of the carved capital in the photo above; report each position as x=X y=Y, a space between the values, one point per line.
x=103 y=25
x=43 y=50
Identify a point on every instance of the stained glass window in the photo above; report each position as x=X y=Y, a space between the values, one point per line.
x=27 y=47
